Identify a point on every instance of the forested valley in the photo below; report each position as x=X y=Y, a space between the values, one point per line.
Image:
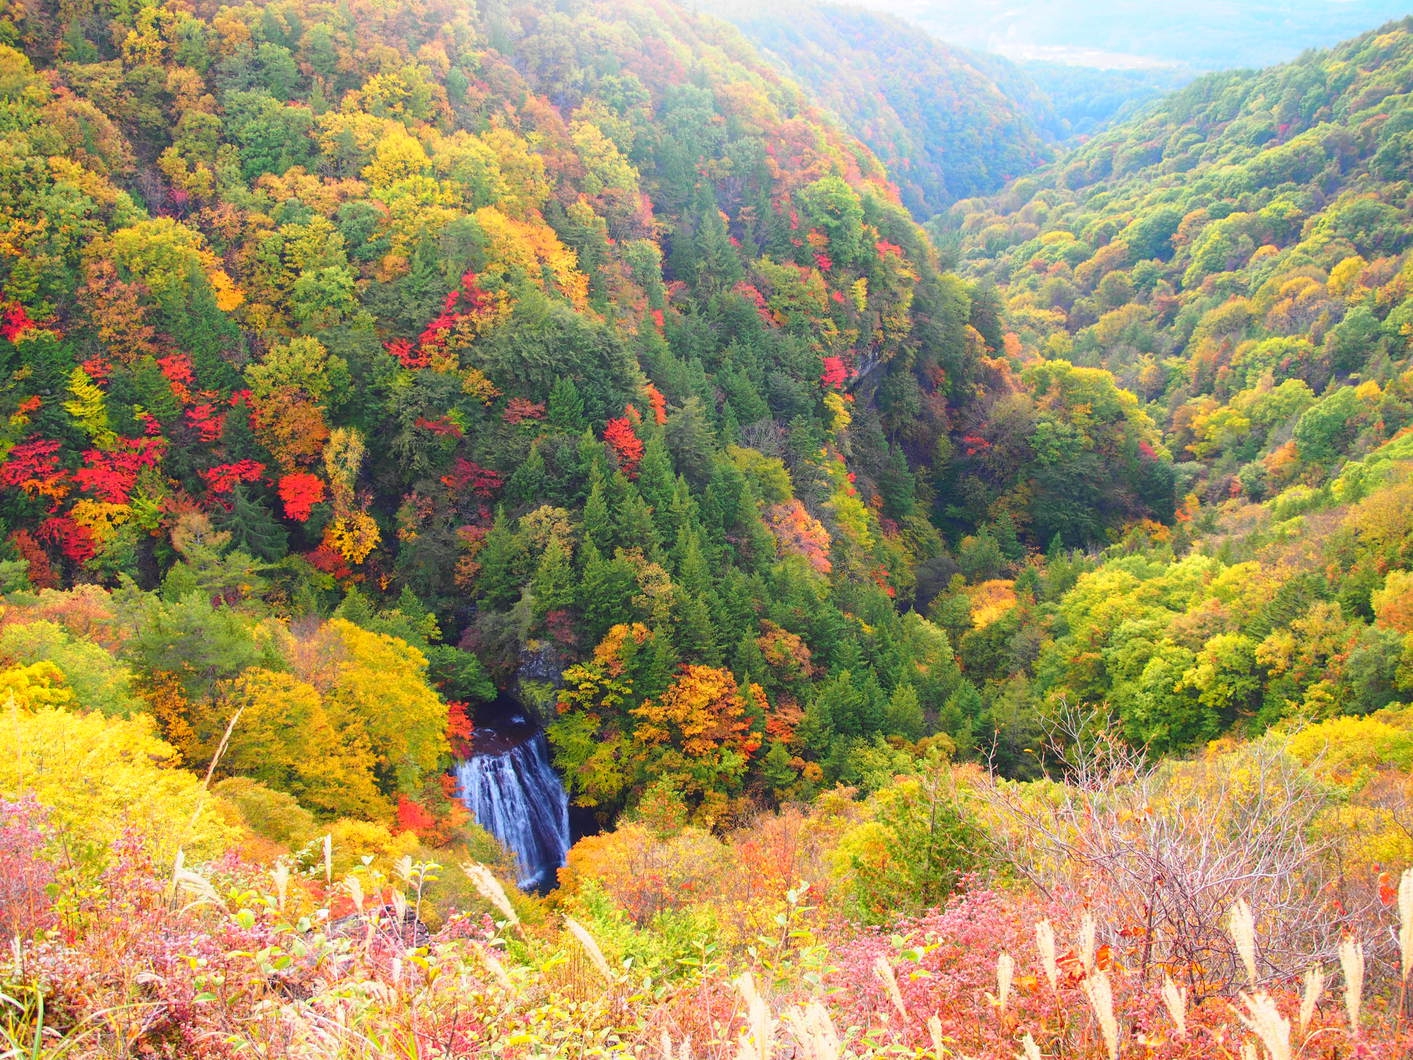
x=991 y=637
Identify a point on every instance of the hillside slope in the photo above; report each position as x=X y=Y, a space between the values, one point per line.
x=946 y=124
x=1239 y=258
x=1249 y=233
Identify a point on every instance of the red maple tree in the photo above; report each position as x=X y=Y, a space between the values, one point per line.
x=300 y=491
x=627 y=446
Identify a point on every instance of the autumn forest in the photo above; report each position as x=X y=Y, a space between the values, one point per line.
x=953 y=548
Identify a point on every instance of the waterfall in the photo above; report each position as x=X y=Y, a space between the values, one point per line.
x=517 y=797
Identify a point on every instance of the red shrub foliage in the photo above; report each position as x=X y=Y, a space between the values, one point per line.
x=74 y=541
x=41 y=572
x=329 y=561
x=459 y=728
x=413 y=817
x=33 y=467
x=222 y=478
x=443 y=425
x=208 y=422
x=518 y=410
x=408 y=354
x=110 y=474
x=179 y=373
x=659 y=405
x=98 y=369
x=627 y=447
x=14 y=322
x=300 y=491
x=469 y=475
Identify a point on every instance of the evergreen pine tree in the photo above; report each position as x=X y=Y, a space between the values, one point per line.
x=603 y=593
x=252 y=527
x=694 y=633
x=903 y=716
x=529 y=482
x=502 y=559
x=748 y=662
x=597 y=522
x=657 y=483
x=634 y=526
x=776 y=771
x=552 y=584
x=566 y=406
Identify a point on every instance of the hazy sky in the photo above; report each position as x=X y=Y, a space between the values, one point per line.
x=1205 y=34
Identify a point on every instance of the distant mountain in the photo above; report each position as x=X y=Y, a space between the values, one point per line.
x=1081 y=100
x=947 y=124
x=1251 y=232
x=1197 y=34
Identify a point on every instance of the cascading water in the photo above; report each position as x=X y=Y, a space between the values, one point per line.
x=516 y=795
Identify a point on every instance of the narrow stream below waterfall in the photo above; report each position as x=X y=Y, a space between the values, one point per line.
x=512 y=790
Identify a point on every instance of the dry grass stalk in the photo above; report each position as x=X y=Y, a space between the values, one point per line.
x=184 y=879
x=814 y=1033
x=1351 y=961
x=1101 y=1000
x=354 y=886
x=1314 y=987
x=755 y=1043
x=1242 y=926
x=489 y=888
x=280 y=875
x=1005 y=971
x=591 y=947
x=1176 y=1001
x=211 y=770
x=684 y=1051
x=497 y=969
x=1087 y=928
x=1032 y=1051
x=1405 y=921
x=884 y=971
x=934 y=1030
x=1265 y=1019
x=1045 y=943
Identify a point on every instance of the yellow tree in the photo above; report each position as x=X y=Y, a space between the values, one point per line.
x=285 y=738
x=352 y=533
x=379 y=683
x=591 y=735
x=697 y=737
x=104 y=776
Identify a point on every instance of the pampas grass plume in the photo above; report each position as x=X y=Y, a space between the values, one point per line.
x=1265 y=1019
x=1351 y=961
x=489 y=888
x=884 y=971
x=1242 y=926
x=1045 y=943
x=591 y=947
x=1314 y=987
x=1176 y=1001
